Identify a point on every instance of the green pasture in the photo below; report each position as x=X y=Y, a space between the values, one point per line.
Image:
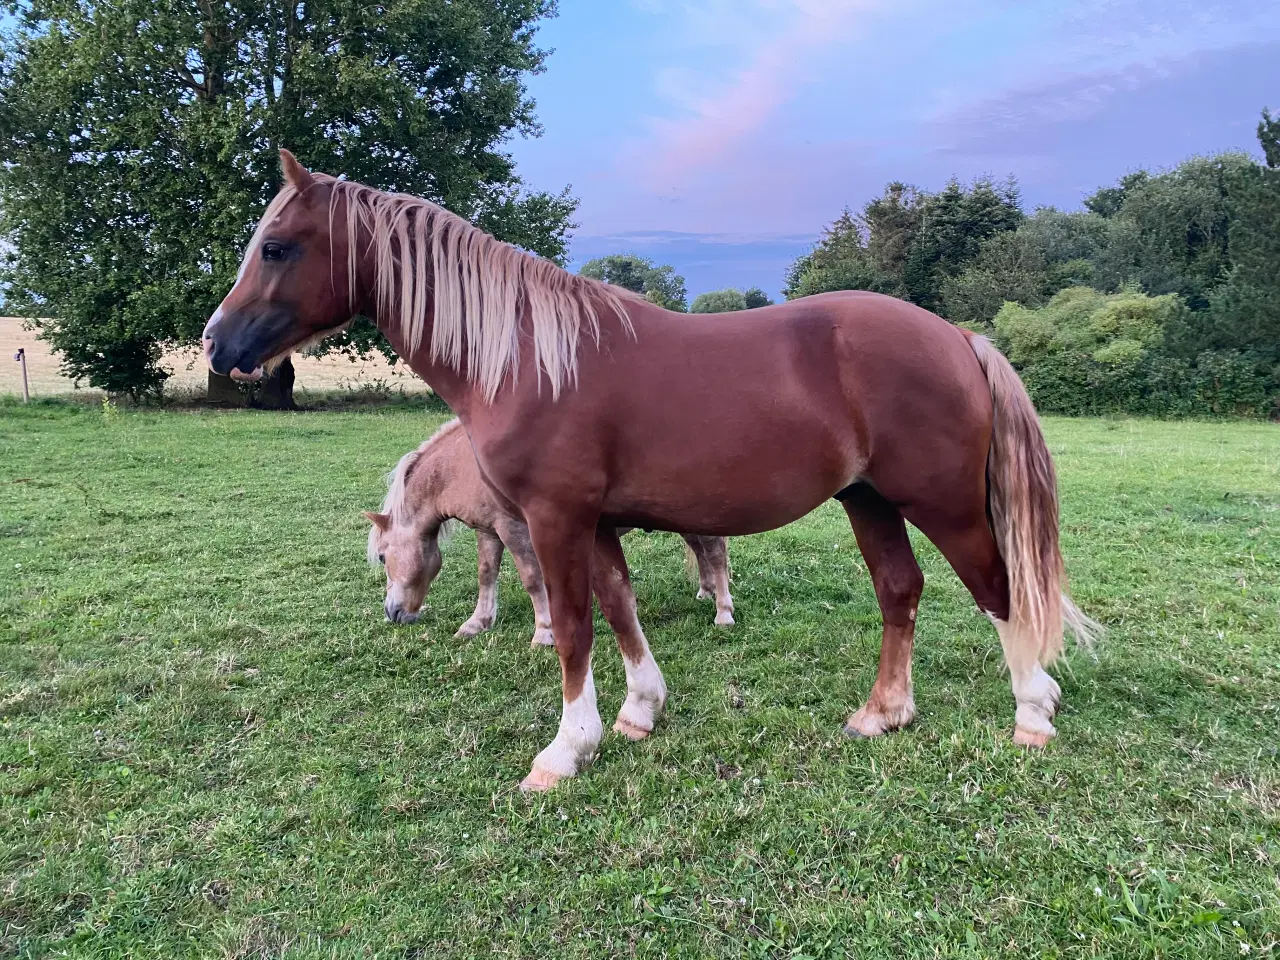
x=212 y=745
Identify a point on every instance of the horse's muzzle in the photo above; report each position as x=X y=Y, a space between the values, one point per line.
x=236 y=345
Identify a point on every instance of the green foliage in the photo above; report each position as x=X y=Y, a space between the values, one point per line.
x=139 y=139
x=658 y=284
x=1269 y=137
x=1169 y=233
x=1086 y=352
x=213 y=745
x=953 y=226
x=719 y=301
x=755 y=297
x=907 y=243
x=838 y=262
x=1046 y=253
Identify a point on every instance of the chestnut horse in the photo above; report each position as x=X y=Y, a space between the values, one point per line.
x=590 y=410
x=440 y=482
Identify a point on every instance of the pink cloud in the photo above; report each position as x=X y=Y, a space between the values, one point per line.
x=773 y=43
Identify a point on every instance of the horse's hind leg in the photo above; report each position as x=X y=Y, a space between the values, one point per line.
x=488 y=563
x=882 y=538
x=646 y=690
x=712 y=554
x=966 y=541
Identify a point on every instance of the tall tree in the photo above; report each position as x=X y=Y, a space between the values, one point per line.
x=1169 y=233
x=953 y=226
x=1244 y=311
x=138 y=145
x=907 y=243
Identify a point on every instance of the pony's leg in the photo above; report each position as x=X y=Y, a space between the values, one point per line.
x=646 y=690
x=713 y=574
x=882 y=538
x=971 y=550
x=563 y=549
x=516 y=536
x=706 y=587
x=489 y=563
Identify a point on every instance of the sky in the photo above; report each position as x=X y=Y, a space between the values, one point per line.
x=721 y=136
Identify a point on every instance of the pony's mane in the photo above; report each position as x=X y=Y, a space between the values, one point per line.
x=393 y=504
x=479 y=288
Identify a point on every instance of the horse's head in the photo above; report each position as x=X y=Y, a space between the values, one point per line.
x=287 y=293
x=411 y=556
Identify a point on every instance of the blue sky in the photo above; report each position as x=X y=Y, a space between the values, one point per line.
x=722 y=135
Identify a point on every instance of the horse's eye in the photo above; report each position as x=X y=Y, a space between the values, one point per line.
x=382 y=559
x=272 y=250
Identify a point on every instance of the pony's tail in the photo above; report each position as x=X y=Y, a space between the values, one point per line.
x=690 y=562
x=1023 y=499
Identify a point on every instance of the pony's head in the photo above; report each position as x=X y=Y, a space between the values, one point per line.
x=286 y=295
x=411 y=557
x=405 y=540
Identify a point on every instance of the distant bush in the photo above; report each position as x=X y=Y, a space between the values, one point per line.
x=1087 y=353
x=719 y=301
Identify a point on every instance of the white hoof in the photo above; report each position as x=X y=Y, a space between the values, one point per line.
x=473 y=627
x=869 y=722
x=543 y=637
x=724 y=618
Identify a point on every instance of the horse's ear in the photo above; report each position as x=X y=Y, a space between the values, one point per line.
x=379 y=520
x=295 y=174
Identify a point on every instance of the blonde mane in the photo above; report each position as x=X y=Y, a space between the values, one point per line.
x=394 y=504
x=478 y=288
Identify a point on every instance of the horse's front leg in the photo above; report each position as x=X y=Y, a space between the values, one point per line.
x=563 y=547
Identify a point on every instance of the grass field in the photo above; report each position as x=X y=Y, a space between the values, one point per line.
x=211 y=743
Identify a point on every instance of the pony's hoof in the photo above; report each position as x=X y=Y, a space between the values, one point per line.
x=853 y=733
x=539 y=781
x=703 y=594
x=542 y=638
x=724 y=619
x=630 y=730
x=472 y=628
x=1031 y=738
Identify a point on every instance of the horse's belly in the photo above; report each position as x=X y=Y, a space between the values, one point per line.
x=730 y=496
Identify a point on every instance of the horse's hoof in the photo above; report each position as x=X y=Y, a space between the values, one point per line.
x=866 y=723
x=703 y=594
x=629 y=730
x=724 y=620
x=539 y=781
x=542 y=638
x=1031 y=738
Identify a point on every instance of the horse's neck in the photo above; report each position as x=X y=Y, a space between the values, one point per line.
x=452 y=387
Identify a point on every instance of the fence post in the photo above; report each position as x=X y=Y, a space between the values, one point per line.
x=21 y=357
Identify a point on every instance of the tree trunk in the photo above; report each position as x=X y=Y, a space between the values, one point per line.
x=275 y=392
x=225 y=392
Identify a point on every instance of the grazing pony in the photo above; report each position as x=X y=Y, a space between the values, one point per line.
x=440 y=482
x=589 y=410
